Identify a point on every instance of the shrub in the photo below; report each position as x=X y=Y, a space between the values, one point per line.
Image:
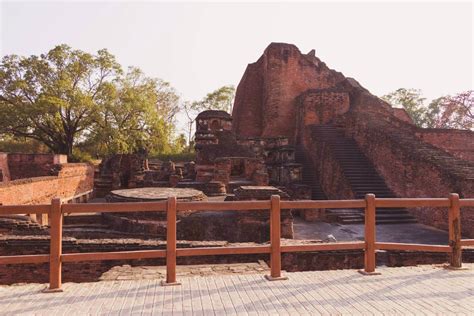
x=179 y=157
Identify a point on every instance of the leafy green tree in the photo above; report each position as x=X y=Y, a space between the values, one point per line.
x=54 y=97
x=167 y=103
x=434 y=112
x=129 y=121
x=180 y=144
x=220 y=99
x=69 y=98
x=21 y=144
x=412 y=101
x=444 y=112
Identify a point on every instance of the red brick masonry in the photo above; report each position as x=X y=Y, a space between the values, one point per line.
x=72 y=179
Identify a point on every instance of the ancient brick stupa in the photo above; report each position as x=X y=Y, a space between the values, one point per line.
x=349 y=141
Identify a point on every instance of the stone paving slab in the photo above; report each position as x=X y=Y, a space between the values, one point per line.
x=423 y=290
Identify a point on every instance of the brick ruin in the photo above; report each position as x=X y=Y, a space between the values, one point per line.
x=223 y=156
x=37 y=178
x=224 y=162
x=349 y=141
x=298 y=129
x=14 y=166
x=120 y=171
x=91 y=271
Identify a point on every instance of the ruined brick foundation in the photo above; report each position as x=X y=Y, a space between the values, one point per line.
x=91 y=271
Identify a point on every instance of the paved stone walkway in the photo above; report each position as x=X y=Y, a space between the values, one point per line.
x=405 y=291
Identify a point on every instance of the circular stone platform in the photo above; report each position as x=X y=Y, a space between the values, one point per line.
x=155 y=194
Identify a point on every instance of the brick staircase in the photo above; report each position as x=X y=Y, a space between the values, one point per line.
x=102 y=184
x=362 y=177
x=20 y=225
x=90 y=226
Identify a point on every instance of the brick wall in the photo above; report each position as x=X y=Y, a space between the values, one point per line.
x=459 y=143
x=22 y=166
x=264 y=102
x=72 y=179
x=321 y=107
x=402 y=114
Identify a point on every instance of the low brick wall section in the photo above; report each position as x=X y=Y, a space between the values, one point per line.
x=92 y=270
x=459 y=143
x=72 y=180
x=22 y=166
x=249 y=226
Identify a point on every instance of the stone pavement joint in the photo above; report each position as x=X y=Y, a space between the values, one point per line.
x=428 y=289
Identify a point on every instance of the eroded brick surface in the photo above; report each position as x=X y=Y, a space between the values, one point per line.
x=287 y=93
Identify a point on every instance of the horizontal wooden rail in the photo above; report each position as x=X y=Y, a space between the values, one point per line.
x=467 y=242
x=24 y=209
x=116 y=255
x=323 y=247
x=114 y=207
x=211 y=251
x=411 y=247
x=224 y=206
x=322 y=204
x=466 y=202
x=412 y=202
x=55 y=210
x=24 y=259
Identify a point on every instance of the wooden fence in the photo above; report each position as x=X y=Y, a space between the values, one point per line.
x=56 y=210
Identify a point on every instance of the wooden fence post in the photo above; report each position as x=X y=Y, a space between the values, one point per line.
x=369 y=253
x=55 y=248
x=275 y=240
x=171 y=242
x=454 y=217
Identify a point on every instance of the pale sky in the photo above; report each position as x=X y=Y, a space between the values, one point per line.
x=199 y=47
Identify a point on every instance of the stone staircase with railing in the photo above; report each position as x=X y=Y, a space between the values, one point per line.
x=362 y=177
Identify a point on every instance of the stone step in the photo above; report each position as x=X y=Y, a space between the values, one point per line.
x=373 y=191
x=397 y=221
x=373 y=185
x=359 y=171
x=76 y=219
x=85 y=226
x=358 y=190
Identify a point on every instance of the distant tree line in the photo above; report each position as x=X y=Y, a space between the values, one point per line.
x=84 y=105
x=444 y=112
